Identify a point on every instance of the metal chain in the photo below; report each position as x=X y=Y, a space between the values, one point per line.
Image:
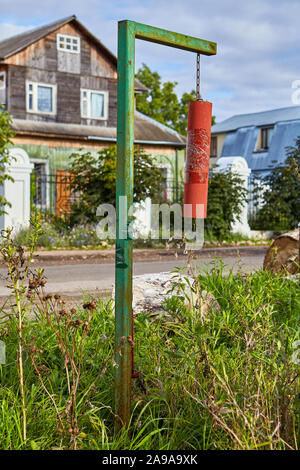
x=198 y=97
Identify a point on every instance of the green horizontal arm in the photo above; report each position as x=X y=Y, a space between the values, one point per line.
x=171 y=39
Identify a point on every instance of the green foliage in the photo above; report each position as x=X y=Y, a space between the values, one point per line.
x=94 y=180
x=226 y=193
x=6 y=134
x=160 y=101
x=279 y=193
x=224 y=380
x=57 y=233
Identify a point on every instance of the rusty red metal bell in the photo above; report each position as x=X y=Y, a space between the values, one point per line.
x=197 y=159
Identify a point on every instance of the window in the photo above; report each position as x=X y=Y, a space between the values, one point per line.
x=40 y=183
x=41 y=98
x=94 y=104
x=214 y=147
x=266 y=134
x=2 y=80
x=68 y=43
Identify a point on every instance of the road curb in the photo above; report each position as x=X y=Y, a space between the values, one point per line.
x=108 y=256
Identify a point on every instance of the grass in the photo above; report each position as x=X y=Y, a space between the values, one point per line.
x=224 y=380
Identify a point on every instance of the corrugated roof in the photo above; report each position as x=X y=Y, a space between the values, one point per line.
x=264 y=118
x=146 y=130
x=242 y=142
x=15 y=44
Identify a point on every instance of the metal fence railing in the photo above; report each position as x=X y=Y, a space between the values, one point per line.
x=173 y=191
x=256 y=189
x=52 y=192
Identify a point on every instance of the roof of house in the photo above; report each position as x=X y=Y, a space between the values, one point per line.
x=264 y=118
x=146 y=130
x=17 y=43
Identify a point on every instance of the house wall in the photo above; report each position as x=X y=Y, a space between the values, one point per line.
x=3 y=91
x=58 y=155
x=220 y=143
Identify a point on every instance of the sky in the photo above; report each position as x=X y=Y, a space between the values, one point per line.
x=258 y=43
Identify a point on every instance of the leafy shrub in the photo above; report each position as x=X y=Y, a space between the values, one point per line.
x=94 y=181
x=56 y=233
x=226 y=193
x=277 y=197
x=6 y=134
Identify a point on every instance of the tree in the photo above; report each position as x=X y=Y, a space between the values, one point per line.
x=94 y=180
x=160 y=101
x=6 y=134
x=279 y=195
x=226 y=193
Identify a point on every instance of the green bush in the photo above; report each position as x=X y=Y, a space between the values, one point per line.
x=57 y=233
x=277 y=197
x=94 y=181
x=6 y=134
x=226 y=193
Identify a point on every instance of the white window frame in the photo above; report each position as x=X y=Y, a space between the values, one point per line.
x=88 y=100
x=168 y=168
x=3 y=74
x=34 y=93
x=66 y=37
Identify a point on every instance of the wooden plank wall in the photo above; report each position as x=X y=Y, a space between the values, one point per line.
x=42 y=62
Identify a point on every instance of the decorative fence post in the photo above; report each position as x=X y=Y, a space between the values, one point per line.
x=17 y=192
x=239 y=166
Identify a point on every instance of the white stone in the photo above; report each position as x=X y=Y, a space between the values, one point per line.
x=165 y=285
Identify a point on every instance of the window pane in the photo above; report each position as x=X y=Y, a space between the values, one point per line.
x=270 y=134
x=2 y=80
x=44 y=99
x=84 y=108
x=97 y=105
x=30 y=101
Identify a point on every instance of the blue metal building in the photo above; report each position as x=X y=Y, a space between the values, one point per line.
x=261 y=138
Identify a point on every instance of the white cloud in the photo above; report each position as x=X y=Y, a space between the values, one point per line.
x=8 y=29
x=258 y=43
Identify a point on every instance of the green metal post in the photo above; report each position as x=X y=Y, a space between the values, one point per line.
x=127 y=32
x=123 y=289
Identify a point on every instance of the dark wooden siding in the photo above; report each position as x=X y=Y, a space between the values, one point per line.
x=68 y=98
x=16 y=92
x=85 y=57
x=112 y=108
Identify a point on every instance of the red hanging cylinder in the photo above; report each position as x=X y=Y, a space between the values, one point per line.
x=197 y=159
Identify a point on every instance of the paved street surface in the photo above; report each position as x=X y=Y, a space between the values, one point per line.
x=73 y=279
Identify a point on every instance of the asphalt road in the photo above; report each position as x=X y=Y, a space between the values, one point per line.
x=73 y=279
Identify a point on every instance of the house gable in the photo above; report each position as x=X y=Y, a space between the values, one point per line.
x=43 y=54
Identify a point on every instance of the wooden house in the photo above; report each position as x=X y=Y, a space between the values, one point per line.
x=59 y=82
